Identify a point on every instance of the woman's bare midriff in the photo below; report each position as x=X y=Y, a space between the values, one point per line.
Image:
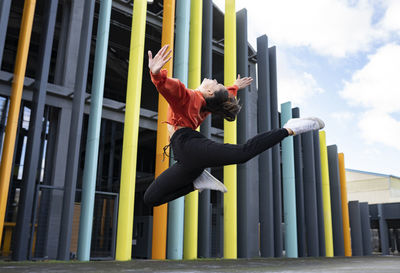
x=172 y=129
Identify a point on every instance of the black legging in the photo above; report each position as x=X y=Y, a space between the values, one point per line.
x=194 y=153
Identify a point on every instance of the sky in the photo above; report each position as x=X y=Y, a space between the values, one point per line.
x=338 y=60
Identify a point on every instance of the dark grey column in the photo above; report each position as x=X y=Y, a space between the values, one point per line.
x=276 y=157
x=310 y=195
x=318 y=181
x=68 y=44
x=355 y=228
x=4 y=14
x=366 y=229
x=336 y=201
x=298 y=165
x=265 y=159
x=75 y=129
x=383 y=230
x=247 y=181
x=204 y=240
x=50 y=216
x=20 y=251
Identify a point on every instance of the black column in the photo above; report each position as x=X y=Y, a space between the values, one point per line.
x=205 y=227
x=4 y=14
x=310 y=195
x=383 y=230
x=247 y=179
x=276 y=156
x=32 y=156
x=366 y=228
x=336 y=201
x=265 y=159
x=76 y=130
x=298 y=165
x=318 y=181
x=355 y=228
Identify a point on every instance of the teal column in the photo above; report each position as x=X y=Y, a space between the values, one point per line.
x=289 y=189
x=176 y=208
x=93 y=137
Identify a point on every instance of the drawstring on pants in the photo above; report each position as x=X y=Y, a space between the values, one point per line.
x=165 y=151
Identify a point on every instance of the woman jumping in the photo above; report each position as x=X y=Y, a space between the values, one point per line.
x=192 y=151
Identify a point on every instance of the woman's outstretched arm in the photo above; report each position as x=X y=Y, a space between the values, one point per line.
x=174 y=91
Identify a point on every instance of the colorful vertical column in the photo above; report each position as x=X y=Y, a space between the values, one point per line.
x=15 y=103
x=326 y=195
x=176 y=208
x=318 y=189
x=160 y=213
x=131 y=133
x=345 y=206
x=93 y=137
x=289 y=189
x=192 y=199
x=230 y=172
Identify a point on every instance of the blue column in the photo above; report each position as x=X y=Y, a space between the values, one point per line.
x=93 y=137
x=289 y=189
x=176 y=208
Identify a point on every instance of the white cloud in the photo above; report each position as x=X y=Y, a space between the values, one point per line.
x=376 y=87
x=295 y=86
x=377 y=84
x=335 y=28
x=391 y=21
x=343 y=116
x=380 y=127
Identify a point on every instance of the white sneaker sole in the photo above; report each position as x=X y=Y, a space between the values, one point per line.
x=318 y=120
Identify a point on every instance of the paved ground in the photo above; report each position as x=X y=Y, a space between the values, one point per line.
x=378 y=264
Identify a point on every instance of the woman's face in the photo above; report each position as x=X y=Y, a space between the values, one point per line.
x=208 y=87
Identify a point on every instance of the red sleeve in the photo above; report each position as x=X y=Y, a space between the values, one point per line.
x=171 y=89
x=232 y=90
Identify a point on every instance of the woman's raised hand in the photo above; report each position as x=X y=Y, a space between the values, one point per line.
x=243 y=82
x=161 y=58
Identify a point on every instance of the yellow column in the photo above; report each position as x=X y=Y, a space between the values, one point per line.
x=345 y=207
x=326 y=195
x=192 y=199
x=131 y=132
x=230 y=209
x=15 y=103
x=160 y=213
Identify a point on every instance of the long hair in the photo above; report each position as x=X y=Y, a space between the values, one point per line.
x=223 y=105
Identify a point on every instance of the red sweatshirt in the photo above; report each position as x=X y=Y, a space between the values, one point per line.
x=185 y=105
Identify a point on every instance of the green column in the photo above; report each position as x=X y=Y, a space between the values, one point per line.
x=289 y=189
x=93 y=137
x=176 y=208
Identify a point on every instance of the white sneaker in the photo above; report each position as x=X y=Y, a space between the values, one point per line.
x=302 y=125
x=208 y=182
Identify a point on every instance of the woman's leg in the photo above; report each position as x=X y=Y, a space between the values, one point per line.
x=174 y=182
x=204 y=153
